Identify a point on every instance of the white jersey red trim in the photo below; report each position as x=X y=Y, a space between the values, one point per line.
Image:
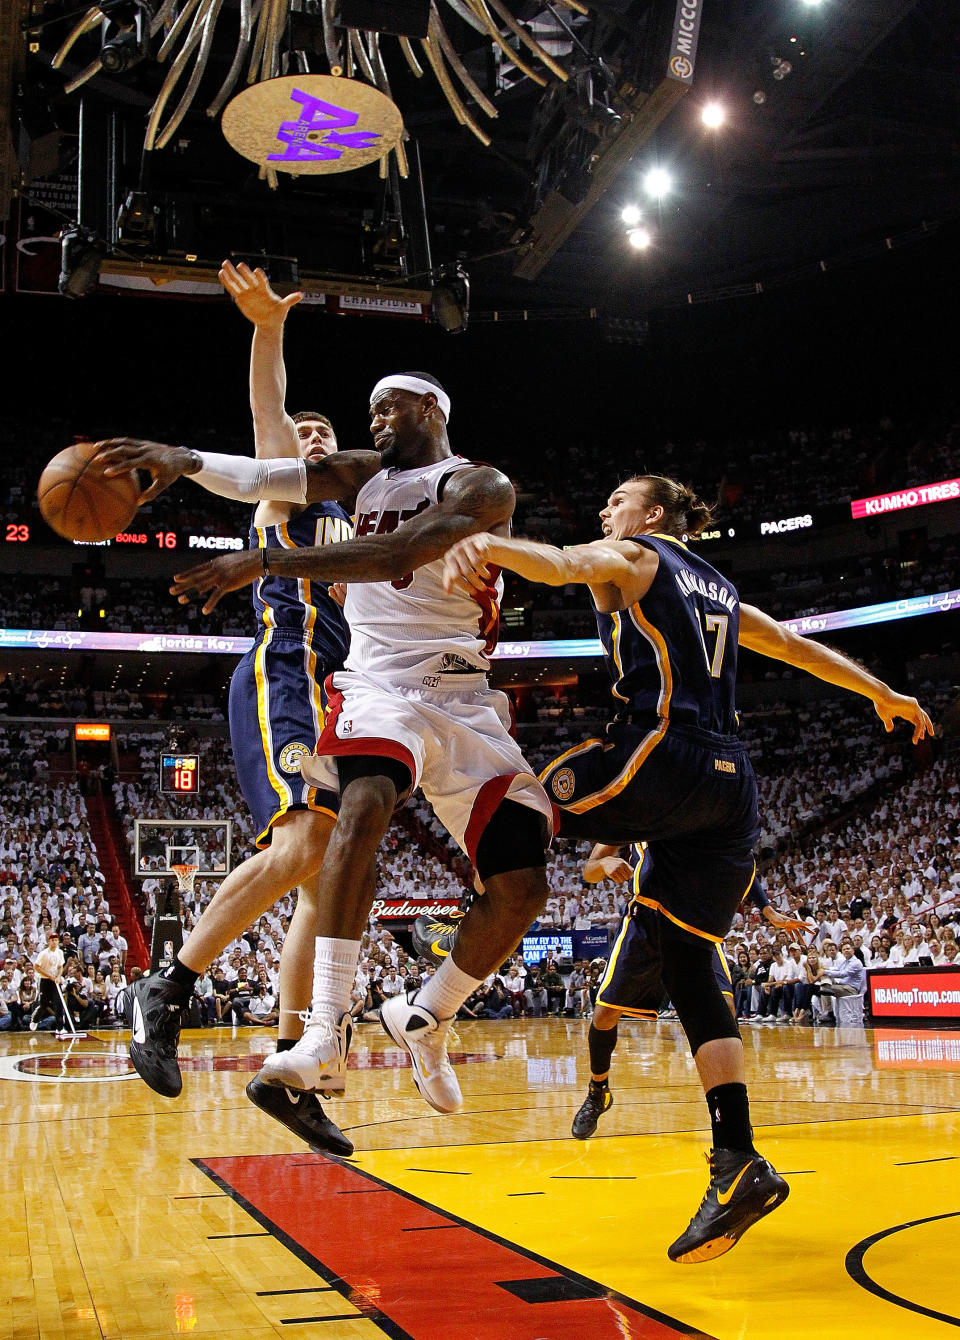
x=411 y=628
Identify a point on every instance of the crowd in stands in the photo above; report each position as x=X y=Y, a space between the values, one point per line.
x=51 y=882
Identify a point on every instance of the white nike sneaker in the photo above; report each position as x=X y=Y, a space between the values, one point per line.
x=425 y=1038
x=318 y=1063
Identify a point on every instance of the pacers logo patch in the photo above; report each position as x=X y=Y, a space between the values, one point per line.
x=292 y=755
x=563 y=784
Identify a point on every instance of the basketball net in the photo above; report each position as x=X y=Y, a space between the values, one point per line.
x=185 y=874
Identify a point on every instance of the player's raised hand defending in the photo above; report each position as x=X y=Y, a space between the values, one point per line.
x=892 y=706
x=251 y=291
x=217 y=576
x=165 y=463
x=464 y=565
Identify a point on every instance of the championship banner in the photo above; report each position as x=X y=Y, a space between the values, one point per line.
x=915 y=994
x=683 y=43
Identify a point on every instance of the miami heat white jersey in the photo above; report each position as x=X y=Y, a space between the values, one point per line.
x=411 y=629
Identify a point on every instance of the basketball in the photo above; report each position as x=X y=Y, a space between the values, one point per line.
x=79 y=502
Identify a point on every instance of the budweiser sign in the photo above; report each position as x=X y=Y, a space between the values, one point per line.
x=405 y=909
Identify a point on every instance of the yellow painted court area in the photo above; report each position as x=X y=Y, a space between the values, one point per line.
x=111 y=1230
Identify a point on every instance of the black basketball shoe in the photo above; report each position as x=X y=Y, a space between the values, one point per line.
x=599 y=1099
x=743 y=1188
x=151 y=1010
x=301 y=1113
x=433 y=939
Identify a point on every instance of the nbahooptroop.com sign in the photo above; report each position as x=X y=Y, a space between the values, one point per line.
x=909 y=993
x=881 y=503
x=405 y=909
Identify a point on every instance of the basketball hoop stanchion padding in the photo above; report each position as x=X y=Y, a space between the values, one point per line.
x=166 y=937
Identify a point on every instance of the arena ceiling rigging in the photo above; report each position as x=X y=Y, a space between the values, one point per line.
x=527 y=127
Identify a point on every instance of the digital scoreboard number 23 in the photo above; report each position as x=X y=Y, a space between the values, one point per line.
x=180 y=773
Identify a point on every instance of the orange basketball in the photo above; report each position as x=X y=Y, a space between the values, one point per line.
x=79 y=502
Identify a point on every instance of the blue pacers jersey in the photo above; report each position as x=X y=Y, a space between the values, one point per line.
x=296 y=604
x=673 y=655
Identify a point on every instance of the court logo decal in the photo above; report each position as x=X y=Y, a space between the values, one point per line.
x=563 y=784
x=62 y=1068
x=292 y=755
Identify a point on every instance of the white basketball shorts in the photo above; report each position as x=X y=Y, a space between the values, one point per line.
x=455 y=740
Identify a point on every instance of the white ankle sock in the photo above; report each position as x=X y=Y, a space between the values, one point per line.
x=334 y=970
x=446 y=990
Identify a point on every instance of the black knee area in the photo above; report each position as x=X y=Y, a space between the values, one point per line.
x=688 y=978
x=352 y=767
x=514 y=839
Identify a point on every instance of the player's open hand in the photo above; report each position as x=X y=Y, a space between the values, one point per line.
x=465 y=564
x=216 y=577
x=898 y=705
x=165 y=463
x=251 y=291
x=795 y=928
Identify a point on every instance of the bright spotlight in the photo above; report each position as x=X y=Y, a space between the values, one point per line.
x=639 y=238
x=631 y=215
x=713 y=115
x=657 y=182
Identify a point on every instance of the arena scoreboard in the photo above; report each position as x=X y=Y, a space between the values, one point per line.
x=180 y=773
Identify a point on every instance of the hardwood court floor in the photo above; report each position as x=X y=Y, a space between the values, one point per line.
x=131 y=1216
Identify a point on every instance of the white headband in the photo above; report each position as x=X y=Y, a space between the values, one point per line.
x=400 y=382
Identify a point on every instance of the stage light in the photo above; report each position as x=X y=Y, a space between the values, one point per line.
x=631 y=215
x=713 y=115
x=639 y=238
x=450 y=305
x=657 y=182
x=80 y=256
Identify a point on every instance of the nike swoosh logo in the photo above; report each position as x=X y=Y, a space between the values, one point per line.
x=443 y=953
x=723 y=1197
x=139 y=1027
x=294 y=1097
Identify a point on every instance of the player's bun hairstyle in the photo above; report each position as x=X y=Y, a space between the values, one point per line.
x=683 y=512
x=303 y=415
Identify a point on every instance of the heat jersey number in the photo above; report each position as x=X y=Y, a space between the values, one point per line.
x=715 y=623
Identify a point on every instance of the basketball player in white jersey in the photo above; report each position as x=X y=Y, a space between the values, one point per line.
x=411 y=708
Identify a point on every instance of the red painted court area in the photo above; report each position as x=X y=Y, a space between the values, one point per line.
x=419 y=1273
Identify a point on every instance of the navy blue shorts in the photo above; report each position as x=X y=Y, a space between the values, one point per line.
x=632 y=981
x=277 y=706
x=689 y=794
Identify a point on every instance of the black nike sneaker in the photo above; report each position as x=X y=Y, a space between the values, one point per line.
x=743 y=1188
x=151 y=1010
x=599 y=1099
x=433 y=939
x=300 y=1113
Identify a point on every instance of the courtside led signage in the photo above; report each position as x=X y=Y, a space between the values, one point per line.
x=881 y=503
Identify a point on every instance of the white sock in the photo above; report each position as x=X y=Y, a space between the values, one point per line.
x=334 y=970
x=446 y=990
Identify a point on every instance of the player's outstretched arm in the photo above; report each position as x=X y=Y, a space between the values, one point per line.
x=760 y=633
x=617 y=563
x=474 y=500
x=275 y=433
x=336 y=478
